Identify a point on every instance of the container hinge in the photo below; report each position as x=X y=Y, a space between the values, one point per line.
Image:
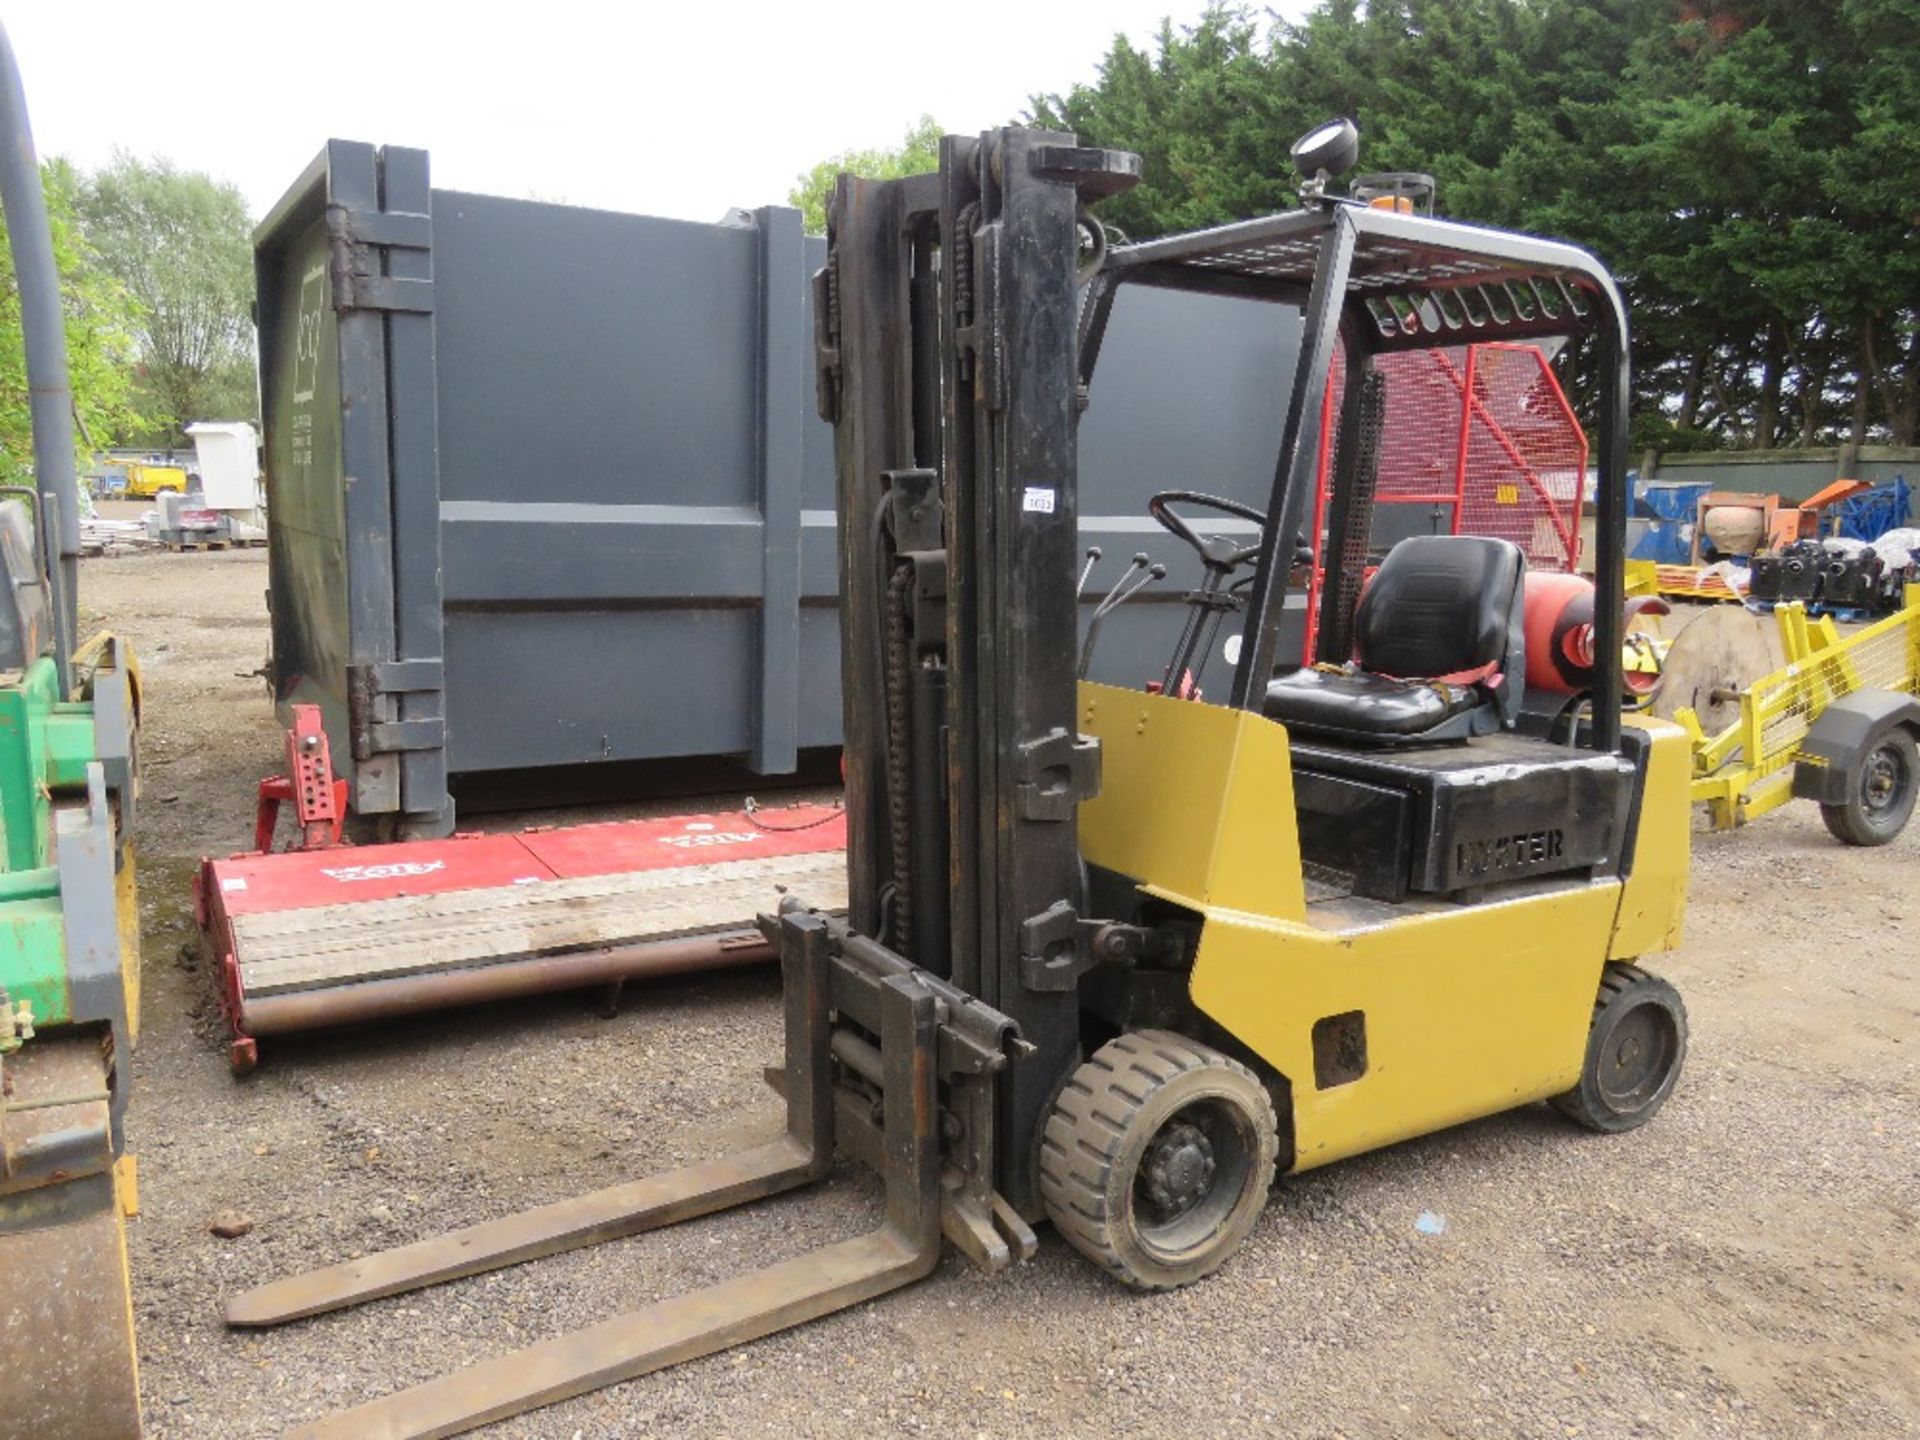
x=1054 y=773
x=356 y=240
x=368 y=686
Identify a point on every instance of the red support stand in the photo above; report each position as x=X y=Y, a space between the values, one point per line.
x=319 y=800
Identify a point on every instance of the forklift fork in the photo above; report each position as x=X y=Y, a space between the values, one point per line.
x=882 y=1101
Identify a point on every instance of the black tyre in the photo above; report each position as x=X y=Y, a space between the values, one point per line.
x=1635 y=1048
x=1880 y=799
x=1157 y=1158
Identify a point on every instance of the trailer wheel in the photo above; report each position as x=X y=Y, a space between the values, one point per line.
x=1880 y=799
x=1636 y=1045
x=1157 y=1158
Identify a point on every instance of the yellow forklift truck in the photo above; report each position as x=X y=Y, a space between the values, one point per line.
x=1114 y=958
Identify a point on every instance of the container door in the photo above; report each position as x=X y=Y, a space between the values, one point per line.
x=344 y=270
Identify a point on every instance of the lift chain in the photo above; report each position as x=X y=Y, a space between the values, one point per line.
x=899 y=761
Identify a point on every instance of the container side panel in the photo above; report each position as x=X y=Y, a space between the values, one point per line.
x=536 y=554
x=618 y=689
x=819 y=712
x=1188 y=395
x=300 y=389
x=591 y=357
x=604 y=484
x=783 y=404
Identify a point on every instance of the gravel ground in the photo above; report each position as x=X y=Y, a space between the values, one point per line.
x=1746 y=1266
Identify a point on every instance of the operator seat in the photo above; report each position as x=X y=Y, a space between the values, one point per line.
x=1437 y=649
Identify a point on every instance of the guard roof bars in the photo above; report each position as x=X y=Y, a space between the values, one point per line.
x=1380 y=281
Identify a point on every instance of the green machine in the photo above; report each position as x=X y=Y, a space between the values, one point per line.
x=69 y=924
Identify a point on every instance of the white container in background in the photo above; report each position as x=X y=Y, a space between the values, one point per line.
x=228 y=454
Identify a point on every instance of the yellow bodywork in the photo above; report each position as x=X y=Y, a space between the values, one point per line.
x=1470 y=1008
x=146 y=481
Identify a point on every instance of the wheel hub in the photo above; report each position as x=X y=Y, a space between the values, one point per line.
x=1179 y=1167
x=1639 y=1054
x=1881 y=783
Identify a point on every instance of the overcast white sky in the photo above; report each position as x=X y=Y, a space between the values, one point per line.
x=679 y=109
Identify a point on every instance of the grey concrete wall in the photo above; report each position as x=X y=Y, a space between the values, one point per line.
x=1791 y=474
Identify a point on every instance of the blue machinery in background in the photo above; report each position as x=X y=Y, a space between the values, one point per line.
x=1870 y=514
x=1669 y=537
x=1670 y=509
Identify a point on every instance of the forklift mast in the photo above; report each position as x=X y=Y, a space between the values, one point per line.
x=947 y=318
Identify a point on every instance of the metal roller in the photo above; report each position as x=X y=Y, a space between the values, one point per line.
x=1719 y=655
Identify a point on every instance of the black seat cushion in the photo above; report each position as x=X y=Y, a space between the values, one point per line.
x=1439 y=605
x=1437 y=643
x=1347 y=701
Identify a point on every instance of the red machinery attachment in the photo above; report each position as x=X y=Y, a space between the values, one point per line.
x=326 y=935
x=319 y=800
x=337 y=936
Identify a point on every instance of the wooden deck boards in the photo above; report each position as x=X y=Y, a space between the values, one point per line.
x=290 y=950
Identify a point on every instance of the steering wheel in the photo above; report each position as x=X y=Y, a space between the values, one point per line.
x=1216 y=552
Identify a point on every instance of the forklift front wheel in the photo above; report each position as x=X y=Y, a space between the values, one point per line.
x=1880 y=799
x=1157 y=1158
x=1635 y=1047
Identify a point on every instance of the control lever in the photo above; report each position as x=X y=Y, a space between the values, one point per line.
x=1093 y=559
x=1141 y=574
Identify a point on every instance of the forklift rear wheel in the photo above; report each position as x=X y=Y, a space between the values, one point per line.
x=1635 y=1047
x=1880 y=799
x=1157 y=1158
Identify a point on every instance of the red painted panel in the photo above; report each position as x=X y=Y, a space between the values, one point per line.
x=301 y=879
x=622 y=847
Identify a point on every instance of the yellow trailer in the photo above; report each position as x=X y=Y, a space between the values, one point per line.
x=1837 y=723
